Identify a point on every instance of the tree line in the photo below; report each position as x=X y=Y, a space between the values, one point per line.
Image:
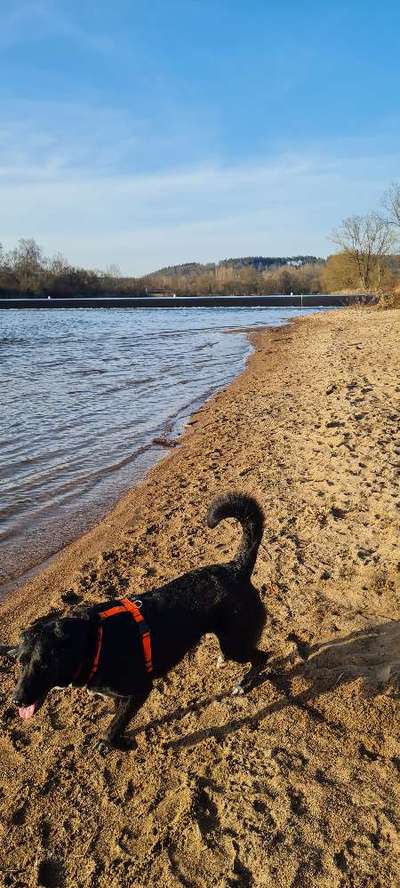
x=234 y=279
x=366 y=261
x=26 y=270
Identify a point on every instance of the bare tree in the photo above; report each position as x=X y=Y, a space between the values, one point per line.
x=3 y=266
x=366 y=241
x=57 y=265
x=27 y=264
x=391 y=203
x=110 y=278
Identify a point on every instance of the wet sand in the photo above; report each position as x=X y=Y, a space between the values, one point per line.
x=296 y=784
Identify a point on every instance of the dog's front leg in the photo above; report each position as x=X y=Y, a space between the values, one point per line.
x=127 y=707
x=258 y=660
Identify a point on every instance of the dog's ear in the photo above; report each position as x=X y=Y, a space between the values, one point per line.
x=45 y=620
x=34 y=630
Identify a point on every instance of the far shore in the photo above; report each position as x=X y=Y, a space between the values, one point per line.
x=298 y=783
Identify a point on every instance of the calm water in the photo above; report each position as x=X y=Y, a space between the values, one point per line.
x=83 y=392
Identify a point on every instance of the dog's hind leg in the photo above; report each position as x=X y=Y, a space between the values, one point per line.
x=258 y=660
x=126 y=707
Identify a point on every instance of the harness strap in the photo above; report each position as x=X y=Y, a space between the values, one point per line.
x=143 y=629
x=126 y=606
x=97 y=654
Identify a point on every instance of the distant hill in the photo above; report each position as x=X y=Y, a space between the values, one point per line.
x=188 y=269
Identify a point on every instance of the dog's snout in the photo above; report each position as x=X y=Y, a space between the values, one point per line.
x=18 y=696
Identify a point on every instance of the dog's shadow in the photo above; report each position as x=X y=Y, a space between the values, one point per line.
x=372 y=654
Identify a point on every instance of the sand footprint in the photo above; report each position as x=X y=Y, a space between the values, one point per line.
x=51 y=873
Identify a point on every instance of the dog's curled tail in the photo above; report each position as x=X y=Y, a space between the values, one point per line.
x=247 y=511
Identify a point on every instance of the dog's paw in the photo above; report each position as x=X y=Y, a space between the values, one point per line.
x=238 y=690
x=103 y=747
x=122 y=744
x=125 y=744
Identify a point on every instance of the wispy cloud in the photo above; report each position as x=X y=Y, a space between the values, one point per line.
x=41 y=139
x=74 y=177
x=287 y=206
x=28 y=21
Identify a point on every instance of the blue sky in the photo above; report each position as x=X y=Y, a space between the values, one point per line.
x=146 y=134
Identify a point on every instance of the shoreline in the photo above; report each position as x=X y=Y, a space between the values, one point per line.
x=298 y=782
x=176 y=428
x=97 y=534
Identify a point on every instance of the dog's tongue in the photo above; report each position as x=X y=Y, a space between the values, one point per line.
x=27 y=711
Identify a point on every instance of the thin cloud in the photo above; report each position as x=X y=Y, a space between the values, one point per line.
x=286 y=205
x=29 y=21
x=79 y=180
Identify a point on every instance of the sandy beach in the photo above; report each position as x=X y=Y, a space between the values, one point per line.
x=296 y=784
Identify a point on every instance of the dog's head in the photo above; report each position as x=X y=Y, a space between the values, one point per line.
x=48 y=655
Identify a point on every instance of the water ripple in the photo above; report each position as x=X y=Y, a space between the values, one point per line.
x=83 y=394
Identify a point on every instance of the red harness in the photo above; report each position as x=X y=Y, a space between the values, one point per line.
x=124 y=606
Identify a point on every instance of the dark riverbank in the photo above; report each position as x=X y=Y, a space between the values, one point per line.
x=328 y=300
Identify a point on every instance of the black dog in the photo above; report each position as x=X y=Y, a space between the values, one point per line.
x=115 y=652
